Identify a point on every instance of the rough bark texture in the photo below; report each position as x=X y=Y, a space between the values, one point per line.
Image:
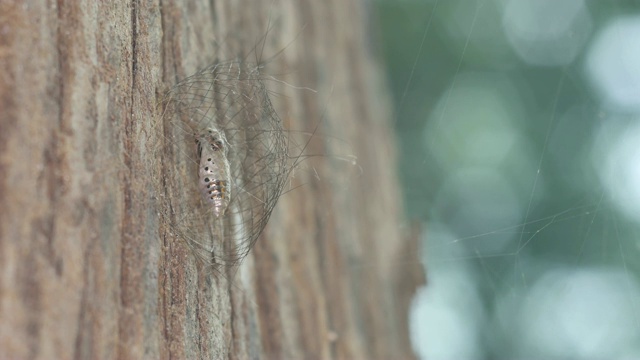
x=88 y=269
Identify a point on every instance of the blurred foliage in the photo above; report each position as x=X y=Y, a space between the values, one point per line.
x=530 y=198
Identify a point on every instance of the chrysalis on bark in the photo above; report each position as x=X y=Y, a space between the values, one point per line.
x=238 y=170
x=214 y=171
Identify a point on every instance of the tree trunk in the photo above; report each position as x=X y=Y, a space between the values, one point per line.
x=89 y=267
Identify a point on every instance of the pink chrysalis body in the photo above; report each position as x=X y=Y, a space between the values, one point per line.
x=214 y=170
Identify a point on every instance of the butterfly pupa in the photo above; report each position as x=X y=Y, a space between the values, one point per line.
x=214 y=170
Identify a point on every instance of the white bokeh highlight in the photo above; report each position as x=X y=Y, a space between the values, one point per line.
x=616 y=155
x=547 y=32
x=613 y=64
x=444 y=318
x=475 y=122
x=579 y=314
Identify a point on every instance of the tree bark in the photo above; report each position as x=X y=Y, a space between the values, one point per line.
x=89 y=268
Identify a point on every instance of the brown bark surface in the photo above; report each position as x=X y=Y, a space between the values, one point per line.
x=88 y=267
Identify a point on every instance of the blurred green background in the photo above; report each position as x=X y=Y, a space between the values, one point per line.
x=519 y=127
